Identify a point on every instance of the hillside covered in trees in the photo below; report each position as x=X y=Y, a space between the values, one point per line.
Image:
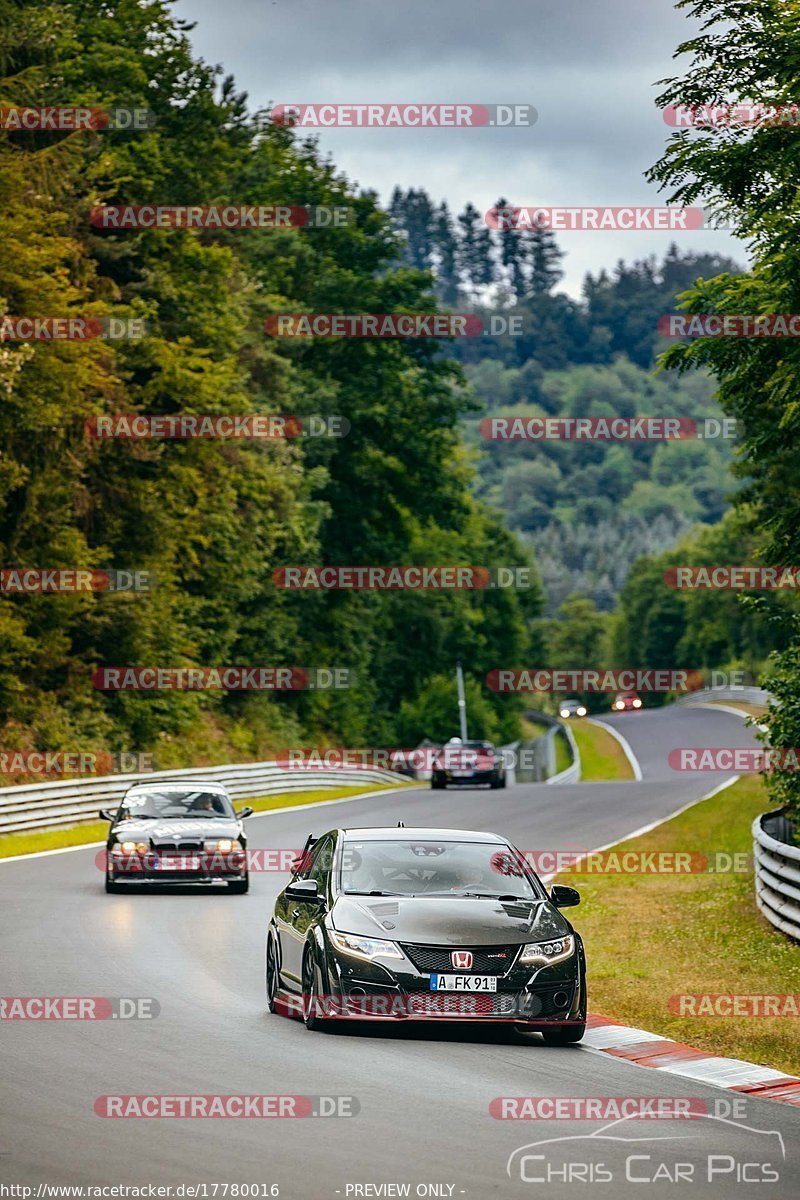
x=588 y=510
x=212 y=519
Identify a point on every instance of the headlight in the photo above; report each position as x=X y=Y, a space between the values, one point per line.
x=637 y=704
x=565 y=712
x=544 y=953
x=364 y=947
x=619 y=704
x=131 y=847
x=223 y=845
x=581 y=711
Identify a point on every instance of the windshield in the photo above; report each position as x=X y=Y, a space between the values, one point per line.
x=191 y=803
x=434 y=868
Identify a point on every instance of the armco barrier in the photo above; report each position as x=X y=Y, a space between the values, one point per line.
x=777 y=866
x=542 y=752
x=74 y=801
x=746 y=695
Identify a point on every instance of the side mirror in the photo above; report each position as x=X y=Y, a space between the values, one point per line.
x=564 y=897
x=303 y=889
x=105 y=815
x=245 y=812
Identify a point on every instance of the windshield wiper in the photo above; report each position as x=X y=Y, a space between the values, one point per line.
x=347 y=892
x=206 y=815
x=481 y=895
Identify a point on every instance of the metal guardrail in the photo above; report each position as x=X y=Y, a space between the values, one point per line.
x=777 y=866
x=541 y=753
x=747 y=695
x=76 y=801
x=571 y=774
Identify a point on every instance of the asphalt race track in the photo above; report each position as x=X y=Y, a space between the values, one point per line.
x=424 y=1092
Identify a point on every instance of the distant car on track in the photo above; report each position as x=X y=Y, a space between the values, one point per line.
x=424 y=924
x=185 y=831
x=467 y=764
x=626 y=702
x=571 y=708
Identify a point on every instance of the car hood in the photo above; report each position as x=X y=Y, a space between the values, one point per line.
x=170 y=829
x=446 y=921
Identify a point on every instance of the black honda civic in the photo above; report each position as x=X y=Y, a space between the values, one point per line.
x=423 y=924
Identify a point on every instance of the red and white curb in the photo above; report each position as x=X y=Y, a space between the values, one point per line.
x=607 y=1036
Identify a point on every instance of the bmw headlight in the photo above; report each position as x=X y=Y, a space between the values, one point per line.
x=364 y=947
x=545 y=953
x=127 y=847
x=222 y=845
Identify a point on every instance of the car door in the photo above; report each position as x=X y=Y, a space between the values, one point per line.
x=293 y=916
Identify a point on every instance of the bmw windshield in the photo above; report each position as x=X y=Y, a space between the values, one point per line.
x=179 y=804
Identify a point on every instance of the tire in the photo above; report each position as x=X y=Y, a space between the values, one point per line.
x=239 y=886
x=563 y=1035
x=271 y=975
x=310 y=995
x=113 y=889
x=437 y=784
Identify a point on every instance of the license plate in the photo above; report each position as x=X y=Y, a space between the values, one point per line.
x=463 y=983
x=182 y=863
x=461 y=774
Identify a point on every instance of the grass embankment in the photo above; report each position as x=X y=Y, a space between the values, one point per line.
x=78 y=835
x=650 y=937
x=602 y=758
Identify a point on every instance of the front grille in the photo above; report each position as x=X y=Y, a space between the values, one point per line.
x=461 y=1004
x=486 y=960
x=178 y=847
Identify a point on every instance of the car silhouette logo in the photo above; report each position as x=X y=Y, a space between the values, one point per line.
x=461 y=959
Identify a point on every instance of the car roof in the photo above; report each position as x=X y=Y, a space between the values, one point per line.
x=179 y=785
x=401 y=834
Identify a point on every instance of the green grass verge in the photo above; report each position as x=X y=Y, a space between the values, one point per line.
x=563 y=752
x=602 y=758
x=650 y=937
x=79 y=835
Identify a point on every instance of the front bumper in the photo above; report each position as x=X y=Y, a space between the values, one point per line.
x=474 y=777
x=539 y=997
x=204 y=867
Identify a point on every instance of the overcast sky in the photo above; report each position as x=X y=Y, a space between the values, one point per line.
x=588 y=67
